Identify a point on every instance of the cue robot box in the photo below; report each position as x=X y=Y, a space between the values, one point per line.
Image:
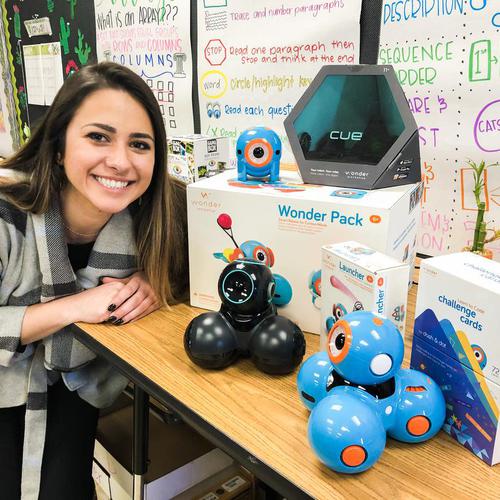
x=456 y=342
x=285 y=224
x=356 y=277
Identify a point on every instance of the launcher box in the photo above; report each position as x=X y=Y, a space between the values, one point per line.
x=356 y=277
x=285 y=225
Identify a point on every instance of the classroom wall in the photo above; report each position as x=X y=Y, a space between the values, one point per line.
x=9 y=131
x=447 y=58
x=220 y=66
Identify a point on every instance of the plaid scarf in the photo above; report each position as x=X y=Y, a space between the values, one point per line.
x=113 y=254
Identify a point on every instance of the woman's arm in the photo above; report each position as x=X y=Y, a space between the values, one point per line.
x=41 y=320
x=90 y=306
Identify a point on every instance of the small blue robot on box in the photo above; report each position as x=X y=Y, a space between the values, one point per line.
x=258 y=151
x=358 y=394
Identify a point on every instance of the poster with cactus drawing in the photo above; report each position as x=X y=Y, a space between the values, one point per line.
x=61 y=50
x=153 y=39
x=447 y=58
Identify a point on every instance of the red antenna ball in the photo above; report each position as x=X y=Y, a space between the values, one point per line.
x=224 y=221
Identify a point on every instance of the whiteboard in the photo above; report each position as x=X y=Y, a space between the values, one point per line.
x=255 y=59
x=153 y=39
x=447 y=57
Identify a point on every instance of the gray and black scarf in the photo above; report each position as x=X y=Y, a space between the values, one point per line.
x=113 y=254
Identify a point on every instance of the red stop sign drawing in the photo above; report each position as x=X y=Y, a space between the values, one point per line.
x=215 y=52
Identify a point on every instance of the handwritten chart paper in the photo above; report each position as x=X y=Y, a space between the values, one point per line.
x=153 y=40
x=43 y=70
x=447 y=57
x=255 y=59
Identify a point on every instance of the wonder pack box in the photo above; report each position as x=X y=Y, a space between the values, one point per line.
x=285 y=224
x=456 y=343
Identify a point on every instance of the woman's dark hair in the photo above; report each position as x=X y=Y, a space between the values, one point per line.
x=159 y=218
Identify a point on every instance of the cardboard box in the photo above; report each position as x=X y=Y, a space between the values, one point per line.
x=233 y=483
x=356 y=277
x=456 y=343
x=192 y=157
x=287 y=224
x=179 y=458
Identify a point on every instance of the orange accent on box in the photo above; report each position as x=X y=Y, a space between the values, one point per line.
x=478 y=427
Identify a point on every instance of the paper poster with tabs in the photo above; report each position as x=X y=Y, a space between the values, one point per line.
x=153 y=39
x=255 y=59
x=447 y=58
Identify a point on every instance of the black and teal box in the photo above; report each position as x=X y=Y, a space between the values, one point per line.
x=353 y=128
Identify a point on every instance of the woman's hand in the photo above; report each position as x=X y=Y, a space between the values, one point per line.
x=93 y=305
x=135 y=300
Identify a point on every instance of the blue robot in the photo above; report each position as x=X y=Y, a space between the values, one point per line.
x=358 y=394
x=258 y=151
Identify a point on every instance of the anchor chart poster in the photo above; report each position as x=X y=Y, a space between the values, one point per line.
x=255 y=59
x=152 y=38
x=446 y=54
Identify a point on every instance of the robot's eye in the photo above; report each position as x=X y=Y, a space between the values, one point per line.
x=237 y=287
x=339 y=341
x=339 y=311
x=258 y=152
x=479 y=355
x=261 y=254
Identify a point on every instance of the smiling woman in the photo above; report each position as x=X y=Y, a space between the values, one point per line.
x=91 y=229
x=111 y=161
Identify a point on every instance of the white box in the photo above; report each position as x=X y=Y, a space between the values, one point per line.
x=356 y=277
x=192 y=157
x=456 y=341
x=231 y=483
x=294 y=221
x=179 y=458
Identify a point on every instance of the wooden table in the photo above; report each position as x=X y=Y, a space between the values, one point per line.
x=259 y=420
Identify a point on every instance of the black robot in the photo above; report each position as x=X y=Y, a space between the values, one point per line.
x=247 y=324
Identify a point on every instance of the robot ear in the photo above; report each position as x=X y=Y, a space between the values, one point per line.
x=271 y=256
x=270 y=290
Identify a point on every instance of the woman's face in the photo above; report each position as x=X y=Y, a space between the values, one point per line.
x=110 y=152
